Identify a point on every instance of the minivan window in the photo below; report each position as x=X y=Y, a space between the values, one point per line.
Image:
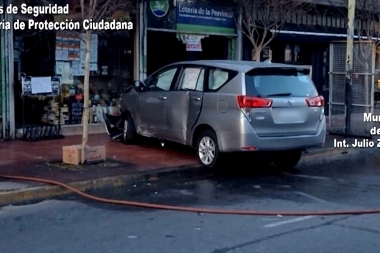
x=218 y=77
x=279 y=82
x=161 y=81
x=192 y=79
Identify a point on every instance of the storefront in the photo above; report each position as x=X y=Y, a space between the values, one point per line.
x=60 y=55
x=182 y=30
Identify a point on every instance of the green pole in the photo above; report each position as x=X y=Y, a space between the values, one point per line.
x=232 y=49
x=349 y=62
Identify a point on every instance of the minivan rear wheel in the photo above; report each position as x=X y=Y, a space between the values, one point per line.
x=208 y=149
x=287 y=159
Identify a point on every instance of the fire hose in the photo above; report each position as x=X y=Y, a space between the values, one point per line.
x=190 y=209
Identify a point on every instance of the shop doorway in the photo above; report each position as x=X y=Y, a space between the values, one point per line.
x=164 y=48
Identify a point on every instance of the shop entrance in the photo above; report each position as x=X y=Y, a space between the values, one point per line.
x=164 y=48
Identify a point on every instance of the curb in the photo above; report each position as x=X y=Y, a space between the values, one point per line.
x=335 y=153
x=37 y=193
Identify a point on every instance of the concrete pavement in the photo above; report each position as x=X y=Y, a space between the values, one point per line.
x=125 y=164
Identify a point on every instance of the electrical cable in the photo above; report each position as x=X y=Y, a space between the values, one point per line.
x=191 y=209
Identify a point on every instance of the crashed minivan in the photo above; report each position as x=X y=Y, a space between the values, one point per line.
x=223 y=106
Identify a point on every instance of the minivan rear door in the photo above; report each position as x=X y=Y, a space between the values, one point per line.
x=185 y=103
x=294 y=106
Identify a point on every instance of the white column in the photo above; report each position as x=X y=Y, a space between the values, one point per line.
x=143 y=41
x=136 y=47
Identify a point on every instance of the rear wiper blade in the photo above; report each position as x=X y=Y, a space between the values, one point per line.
x=279 y=95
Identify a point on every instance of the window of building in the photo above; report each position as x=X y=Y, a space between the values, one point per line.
x=288 y=54
x=326 y=66
x=292 y=53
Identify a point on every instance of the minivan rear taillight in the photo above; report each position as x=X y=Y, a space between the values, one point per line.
x=317 y=101
x=253 y=102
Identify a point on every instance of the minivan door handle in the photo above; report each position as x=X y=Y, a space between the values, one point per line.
x=162 y=98
x=196 y=98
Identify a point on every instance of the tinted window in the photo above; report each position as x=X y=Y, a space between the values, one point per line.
x=162 y=81
x=219 y=77
x=279 y=82
x=192 y=79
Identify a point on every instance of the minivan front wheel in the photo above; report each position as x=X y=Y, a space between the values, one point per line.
x=208 y=149
x=287 y=159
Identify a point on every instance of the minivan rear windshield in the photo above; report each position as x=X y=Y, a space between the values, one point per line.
x=281 y=82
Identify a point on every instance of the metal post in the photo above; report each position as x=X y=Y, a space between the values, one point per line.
x=3 y=99
x=239 y=39
x=142 y=39
x=349 y=62
x=11 y=81
x=136 y=45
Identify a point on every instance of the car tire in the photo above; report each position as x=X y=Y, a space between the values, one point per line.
x=208 y=149
x=287 y=159
x=129 y=133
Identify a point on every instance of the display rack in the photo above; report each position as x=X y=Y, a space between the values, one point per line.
x=52 y=116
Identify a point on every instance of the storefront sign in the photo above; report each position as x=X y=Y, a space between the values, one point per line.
x=159 y=8
x=193 y=42
x=194 y=17
x=33 y=86
x=76 y=109
x=265 y=54
x=161 y=15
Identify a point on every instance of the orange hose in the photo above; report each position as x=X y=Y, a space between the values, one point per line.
x=191 y=209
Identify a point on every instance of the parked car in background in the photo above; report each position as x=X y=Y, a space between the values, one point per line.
x=222 y=106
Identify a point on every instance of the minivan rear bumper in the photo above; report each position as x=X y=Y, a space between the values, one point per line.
x=249 y=141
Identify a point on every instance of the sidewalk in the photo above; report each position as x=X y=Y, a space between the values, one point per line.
x=124 y=163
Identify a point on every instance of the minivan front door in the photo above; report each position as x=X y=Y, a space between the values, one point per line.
x=151 y=116
x=151 y=104
x=184 y=104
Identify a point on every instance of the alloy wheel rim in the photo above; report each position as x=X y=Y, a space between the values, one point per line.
x=206 y=150
x=125 y=128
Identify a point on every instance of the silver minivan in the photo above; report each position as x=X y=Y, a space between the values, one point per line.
x=223 y=106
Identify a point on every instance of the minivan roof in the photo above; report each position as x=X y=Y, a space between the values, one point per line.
x=241 y=66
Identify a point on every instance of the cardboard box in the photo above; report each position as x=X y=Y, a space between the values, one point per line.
x=72 y=154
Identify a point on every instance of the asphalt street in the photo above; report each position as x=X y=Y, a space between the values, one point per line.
x=75 y=225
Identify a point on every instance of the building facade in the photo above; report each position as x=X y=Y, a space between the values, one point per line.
x=164 y=32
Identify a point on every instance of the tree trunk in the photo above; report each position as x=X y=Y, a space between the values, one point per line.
x=256 y=54
x=85 y=117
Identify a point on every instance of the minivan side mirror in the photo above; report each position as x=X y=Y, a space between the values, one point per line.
x=139 y=85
